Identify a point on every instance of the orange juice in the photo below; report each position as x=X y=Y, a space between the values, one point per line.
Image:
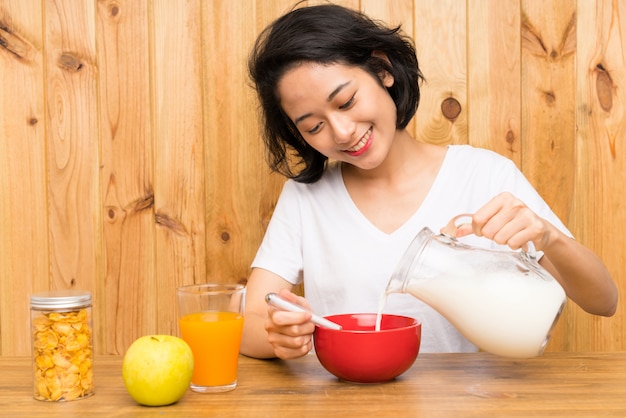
x=214 y=338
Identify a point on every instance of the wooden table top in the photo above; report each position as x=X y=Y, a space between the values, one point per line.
x=438 y=385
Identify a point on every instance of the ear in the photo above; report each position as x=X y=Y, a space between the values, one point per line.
x=385 y=77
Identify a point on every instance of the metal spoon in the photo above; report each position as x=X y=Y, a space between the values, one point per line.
x=278 y=302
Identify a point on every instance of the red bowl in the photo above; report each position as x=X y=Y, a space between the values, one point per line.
x=358 y=353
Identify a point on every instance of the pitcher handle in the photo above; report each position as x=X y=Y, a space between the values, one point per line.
x=450 y=231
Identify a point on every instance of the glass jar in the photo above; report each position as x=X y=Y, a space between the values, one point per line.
x=62 y=345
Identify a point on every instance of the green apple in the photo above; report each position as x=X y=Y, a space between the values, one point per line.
x=157 y=369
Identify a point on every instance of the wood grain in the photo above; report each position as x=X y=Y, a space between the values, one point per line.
x=548 y=119
x=24 y=250
x=72 y=145
x=241 y=191
x=179 y=153
x=494 y=77
x=437 y=385
x=548 y=72
x=442 y=53
x=127 y=177
x=598 y=213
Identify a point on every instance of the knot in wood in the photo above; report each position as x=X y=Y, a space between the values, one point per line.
x=69 y=62
x=510 y=137
x=604 y=88
x=451 y=108
x=549 y=97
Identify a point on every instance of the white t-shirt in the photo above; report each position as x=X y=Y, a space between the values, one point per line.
x=319 y=236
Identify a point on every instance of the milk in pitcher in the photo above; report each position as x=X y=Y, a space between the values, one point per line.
x=504 y=302
x=500 y=313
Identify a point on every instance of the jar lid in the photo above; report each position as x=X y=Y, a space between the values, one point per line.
x=56 y=299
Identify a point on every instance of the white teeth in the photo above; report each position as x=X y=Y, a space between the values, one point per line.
x=358 y=146
x=361 y=143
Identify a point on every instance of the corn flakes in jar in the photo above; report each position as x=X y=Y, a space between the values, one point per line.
x=62 y=345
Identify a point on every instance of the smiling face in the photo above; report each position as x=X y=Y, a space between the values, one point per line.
x=341 y=111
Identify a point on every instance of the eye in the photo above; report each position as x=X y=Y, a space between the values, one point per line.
x=315 y=129
x=347 y=104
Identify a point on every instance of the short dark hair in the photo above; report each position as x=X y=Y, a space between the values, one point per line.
x=325 y=34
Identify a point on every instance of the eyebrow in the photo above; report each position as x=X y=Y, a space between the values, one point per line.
x=336 y=91
x=330 y=97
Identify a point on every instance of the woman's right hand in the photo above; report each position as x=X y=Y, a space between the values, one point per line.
x=290 y=333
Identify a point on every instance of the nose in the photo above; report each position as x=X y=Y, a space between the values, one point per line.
x=343 y=128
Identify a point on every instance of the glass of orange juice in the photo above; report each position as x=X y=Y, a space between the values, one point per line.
x=211 y=322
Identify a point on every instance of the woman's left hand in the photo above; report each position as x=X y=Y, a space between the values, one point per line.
x=508 y=221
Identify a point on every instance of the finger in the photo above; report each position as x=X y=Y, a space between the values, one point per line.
x=523 y=230
x=288 y=342
x=291 y=341
x=287 y=353
x=507 y=221
x=289 y=323
x=495 y=213
x=463 y=230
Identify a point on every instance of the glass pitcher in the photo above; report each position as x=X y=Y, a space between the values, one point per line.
x=504 y=302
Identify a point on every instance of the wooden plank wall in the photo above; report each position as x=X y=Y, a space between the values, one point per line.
x=130 y=158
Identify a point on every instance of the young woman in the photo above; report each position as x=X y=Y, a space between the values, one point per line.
x=336 y=91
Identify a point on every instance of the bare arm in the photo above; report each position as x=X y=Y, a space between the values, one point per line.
x=267 y=332
x=582 y=274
